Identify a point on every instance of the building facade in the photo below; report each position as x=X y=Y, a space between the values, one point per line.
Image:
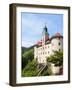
x=47 y=45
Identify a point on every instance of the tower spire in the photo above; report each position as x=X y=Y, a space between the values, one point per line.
x=45 y=35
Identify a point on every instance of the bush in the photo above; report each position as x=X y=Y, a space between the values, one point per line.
x=30 y=69
x=57 y=58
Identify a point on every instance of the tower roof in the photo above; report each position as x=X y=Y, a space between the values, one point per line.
x=39 y=43
x=57 y=35
x=45 y=32
x=45 y=28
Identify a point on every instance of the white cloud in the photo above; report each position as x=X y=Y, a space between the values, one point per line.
x=27 y=43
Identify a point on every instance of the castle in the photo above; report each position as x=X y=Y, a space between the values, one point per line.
x=47 y=45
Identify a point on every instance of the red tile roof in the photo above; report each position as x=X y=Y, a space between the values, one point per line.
x=57 y=34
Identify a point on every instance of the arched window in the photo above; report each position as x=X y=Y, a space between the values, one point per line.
x=59 y=43
x=43 y=52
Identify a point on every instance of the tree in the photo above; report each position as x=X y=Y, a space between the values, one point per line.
x=26 y=57
x=30 y=69
x=56 y=58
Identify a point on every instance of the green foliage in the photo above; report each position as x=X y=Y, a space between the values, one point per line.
x=28 y=54
x=44 y=73
x=29 y=65
x=30 y=69
x=49 y=71
x=57 y=58
x=26 y=57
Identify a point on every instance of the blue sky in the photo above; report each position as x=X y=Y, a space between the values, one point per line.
x=32 y=25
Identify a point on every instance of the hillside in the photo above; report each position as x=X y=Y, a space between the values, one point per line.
x=29 y=65
x=27 y=55
x=28 y=62
x=24 y=49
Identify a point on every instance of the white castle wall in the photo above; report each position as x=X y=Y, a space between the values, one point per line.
x=44 y=51
x=55 y=69
x=57 y=44
x=35 y=52
x=48 y=50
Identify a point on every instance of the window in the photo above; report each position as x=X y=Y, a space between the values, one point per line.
x=43 y=47
x=52 y=44
x=59 y=49
x=48 y=52
x=59 y=38
x=59 y=43
x=52 y=50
